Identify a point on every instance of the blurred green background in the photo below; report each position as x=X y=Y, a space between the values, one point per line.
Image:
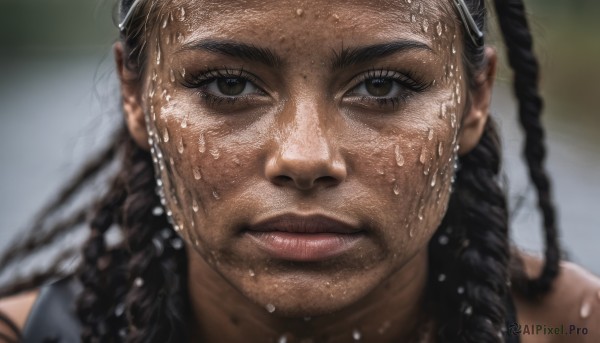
x=58 y=101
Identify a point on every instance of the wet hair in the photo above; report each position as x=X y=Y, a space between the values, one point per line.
x=136 y=291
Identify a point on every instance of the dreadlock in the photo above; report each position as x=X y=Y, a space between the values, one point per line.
x=126 y=295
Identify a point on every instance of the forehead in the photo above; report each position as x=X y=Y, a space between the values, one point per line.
x=356 y=20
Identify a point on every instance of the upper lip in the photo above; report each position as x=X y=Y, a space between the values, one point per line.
x=297 y=223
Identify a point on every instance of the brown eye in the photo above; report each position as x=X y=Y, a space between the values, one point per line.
x=379 y=87
x=231 y=86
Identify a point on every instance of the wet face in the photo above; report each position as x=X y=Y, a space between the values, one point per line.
x=345 y=110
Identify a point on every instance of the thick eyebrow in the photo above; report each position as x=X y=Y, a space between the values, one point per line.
x=239 y=50
x=349 y=56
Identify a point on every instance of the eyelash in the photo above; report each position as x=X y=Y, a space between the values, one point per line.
x=409 y=85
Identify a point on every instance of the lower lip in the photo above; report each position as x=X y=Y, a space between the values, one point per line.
x=304 y=247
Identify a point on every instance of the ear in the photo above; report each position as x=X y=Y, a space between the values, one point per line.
x=132 y=103
x=476 y=116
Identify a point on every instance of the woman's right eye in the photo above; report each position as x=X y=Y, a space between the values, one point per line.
x=230 y=87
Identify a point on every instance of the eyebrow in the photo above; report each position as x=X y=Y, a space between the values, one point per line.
x=243 y=51
x=349 y=56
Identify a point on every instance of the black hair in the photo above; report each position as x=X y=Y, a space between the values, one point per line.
x=472 y=271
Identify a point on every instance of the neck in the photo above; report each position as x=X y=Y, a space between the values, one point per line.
x=393 y=312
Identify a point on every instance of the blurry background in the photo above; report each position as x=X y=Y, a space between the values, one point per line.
x=59 y=101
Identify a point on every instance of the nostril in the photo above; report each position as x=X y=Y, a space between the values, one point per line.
x=282 y=179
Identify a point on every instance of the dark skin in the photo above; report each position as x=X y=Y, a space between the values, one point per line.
x=305 y=134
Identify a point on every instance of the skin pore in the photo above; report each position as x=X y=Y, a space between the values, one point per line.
x=259 y=108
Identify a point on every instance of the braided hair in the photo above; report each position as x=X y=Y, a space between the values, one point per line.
x=136 y=291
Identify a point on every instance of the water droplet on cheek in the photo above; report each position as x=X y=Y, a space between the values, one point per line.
x=201 y=143
x=251 y=273
x=423 y=156
x=430 y=134
x=180 y=147
x=197 y=174
x=215 y=153
x=586 y=310
x=396 y=188
x=184 y=121
x=399 y=157
x=195 y=206
x=166 y=135
x=181 y=14
x=439 y=29
x=299 y=12
x=425 y=25
x=172 y=75
x=216 y=195
x=440 y=149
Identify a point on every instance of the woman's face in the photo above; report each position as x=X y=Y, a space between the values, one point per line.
x=342 y=109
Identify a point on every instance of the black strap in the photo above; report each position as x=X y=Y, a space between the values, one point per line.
x=53 y=318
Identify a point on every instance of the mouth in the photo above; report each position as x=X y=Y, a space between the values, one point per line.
x=300 y=238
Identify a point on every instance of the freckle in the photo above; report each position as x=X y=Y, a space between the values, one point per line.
x=197 y=174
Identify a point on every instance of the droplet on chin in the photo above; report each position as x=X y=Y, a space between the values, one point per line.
x=197 y=174
x=195 y=206
x=399 y=157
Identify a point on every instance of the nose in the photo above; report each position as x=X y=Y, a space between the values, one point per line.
x=306 y=155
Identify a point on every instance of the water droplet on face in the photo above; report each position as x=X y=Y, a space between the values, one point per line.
x=421 y=10
x=413 y=18
x=201 y=143
x=216 y=195
x=195 y=206
x=215 y=153
x=356 y=335
x=282 y=339
x=171 y=75
x=270 y=308
x=433 y=180
x=423 y=156
x=299 y=12
x=430 y=134
x=442 y=277
x=425 y=25
x=251 y=273
x=438 y=29
x=180 y=145
x=440 y=149
x=399 y=157
x=460 y=290
x=166 y=135
x=181 y=14
x=396 y=188
x=197 y=174
x=158 y=54
x=586 y=310
x=421 y=213
x=453 y=49
x=184 y=121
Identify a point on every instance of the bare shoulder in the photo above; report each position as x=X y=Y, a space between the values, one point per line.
x=17 y=309
x=570 y=312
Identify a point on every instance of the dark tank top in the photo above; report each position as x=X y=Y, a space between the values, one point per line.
x=53 y=318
